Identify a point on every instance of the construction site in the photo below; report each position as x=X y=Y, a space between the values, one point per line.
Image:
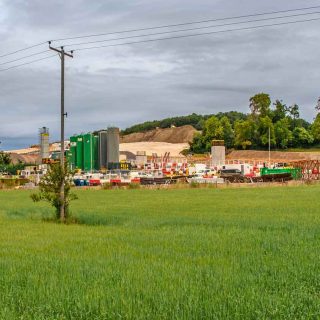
x=106 y=157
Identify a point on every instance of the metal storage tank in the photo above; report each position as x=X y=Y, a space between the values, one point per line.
x=103 y=135
x=87 y=152
x=95 y=152
x=72 y=159
x=113 y=141
x=79 y=152
x=68 y=155
x=44 y=143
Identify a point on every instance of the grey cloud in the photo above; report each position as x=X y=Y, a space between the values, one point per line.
x=129 y=84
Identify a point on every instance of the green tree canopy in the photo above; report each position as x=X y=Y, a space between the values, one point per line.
x=283 y=134
x=264 y=124
x=315 y=128
x=244 y=131
x=279 y=112
x=302 y=137
x=260 y=105
x=4 y=158
x=228 y=134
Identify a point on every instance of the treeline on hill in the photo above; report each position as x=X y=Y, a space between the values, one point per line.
x=286 y=127
x=195 y=120
x=6 y=166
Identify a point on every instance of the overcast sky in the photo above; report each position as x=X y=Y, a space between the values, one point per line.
x=124 y=85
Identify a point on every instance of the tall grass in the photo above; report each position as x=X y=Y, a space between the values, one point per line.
x=163 y=254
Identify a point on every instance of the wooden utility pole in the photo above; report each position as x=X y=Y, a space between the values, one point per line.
x=62 y=55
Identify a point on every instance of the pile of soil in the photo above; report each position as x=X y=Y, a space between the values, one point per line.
x=182 y=134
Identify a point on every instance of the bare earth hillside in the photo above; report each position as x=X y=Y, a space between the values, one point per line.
x=275 y=155
x=160 y=148
x=182 y=134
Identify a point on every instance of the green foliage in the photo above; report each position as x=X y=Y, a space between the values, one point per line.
x=280 y=111
x=315 y=129
x=244 y=133
x=201 y=254
x=252 y=131
x=232 y=116
x=50 y=187
x=12 y=168
x=239 y=130
x=283 y=133
x=195 y=120
x=214 y=129
x=228 y=134
x=260 y=105
x=264 y=124
x=302 y=137
x=4 y=158
x=198 y=144
x=294 y=111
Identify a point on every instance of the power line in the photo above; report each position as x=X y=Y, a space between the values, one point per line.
x=165 y=32
x=22 y=58
x=188 y=23
x=191 y=29
x=24 y=49
x=160 y=39
x=198 y=34
x=23 y=64
x=164 y=26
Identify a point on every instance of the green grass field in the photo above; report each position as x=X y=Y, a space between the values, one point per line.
x=163 y=254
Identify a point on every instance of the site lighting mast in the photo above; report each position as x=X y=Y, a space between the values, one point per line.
x=62 y=55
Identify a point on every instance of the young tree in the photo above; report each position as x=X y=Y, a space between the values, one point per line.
x=50 y=187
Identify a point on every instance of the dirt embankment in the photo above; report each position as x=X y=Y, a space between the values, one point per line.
x=182 y=134
x=274 y=155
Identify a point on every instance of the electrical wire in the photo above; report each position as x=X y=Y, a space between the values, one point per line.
x=23 y=64
x=197 y=34
x=190 y=29
x=168 y=38
x=164 y=26
x=25 y=57
x=166 y=32
x=188 y=23
x=27 y=48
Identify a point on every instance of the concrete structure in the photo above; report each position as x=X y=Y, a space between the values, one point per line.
x=141 y=158
x=44 y=143
x=113 y=142
x=218 y=153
